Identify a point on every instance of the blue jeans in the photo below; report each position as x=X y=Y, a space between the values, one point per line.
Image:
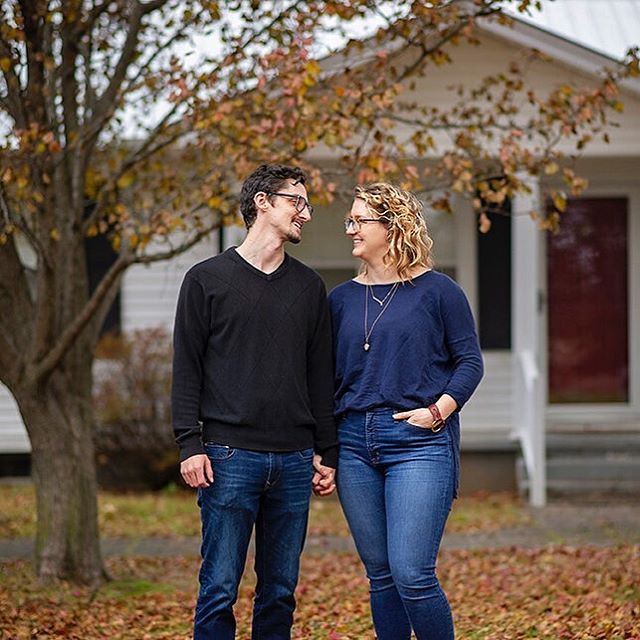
x=272 y=491
x=396 y=483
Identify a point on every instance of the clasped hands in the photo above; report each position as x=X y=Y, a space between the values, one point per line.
x=197 y=472
x=323 y=482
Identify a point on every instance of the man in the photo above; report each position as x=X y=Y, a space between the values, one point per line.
x=252 y=404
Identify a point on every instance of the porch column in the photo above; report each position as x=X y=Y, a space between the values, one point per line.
x=529 y=387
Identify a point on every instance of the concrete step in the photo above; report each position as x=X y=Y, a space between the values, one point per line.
x=598 y=443
x=557 y=488
x=611 y=472
x=613 y=466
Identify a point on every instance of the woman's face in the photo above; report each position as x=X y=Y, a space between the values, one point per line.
x=369 y=238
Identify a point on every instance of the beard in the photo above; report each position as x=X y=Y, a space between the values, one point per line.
x=294 y=237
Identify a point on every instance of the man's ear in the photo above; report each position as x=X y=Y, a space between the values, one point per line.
x=261 y=200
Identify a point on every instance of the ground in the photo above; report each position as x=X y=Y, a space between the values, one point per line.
x=569 y=571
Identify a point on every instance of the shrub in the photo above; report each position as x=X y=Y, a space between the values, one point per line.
x=132 y=402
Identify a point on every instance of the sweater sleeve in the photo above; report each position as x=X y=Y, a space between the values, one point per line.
x=320 y=382
x=190 y=336
x=462 y=342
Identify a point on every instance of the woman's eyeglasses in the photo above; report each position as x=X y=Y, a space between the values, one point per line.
x=357 y=222
x=300 y=201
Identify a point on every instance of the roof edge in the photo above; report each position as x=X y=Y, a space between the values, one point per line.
x=565 y=50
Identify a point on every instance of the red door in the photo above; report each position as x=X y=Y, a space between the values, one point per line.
x=588 y=303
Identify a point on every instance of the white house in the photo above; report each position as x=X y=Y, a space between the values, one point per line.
x=558 y=316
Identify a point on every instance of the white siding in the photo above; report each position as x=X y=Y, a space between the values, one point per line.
x=489 y=410
x=150 y=292
x=13 y=436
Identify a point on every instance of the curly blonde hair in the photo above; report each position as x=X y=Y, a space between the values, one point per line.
x=409 y=240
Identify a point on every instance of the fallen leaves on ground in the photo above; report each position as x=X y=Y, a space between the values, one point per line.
x=555 y=593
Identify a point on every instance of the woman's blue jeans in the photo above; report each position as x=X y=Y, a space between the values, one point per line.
x=396 y=484
x=272 y=491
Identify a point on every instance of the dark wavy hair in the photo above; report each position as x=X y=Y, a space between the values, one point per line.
x=267 y=178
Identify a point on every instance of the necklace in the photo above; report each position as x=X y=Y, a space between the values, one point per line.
x=386 y=301
x=373 y=295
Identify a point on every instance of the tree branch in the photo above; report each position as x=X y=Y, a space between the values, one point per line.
x=105 y=103
x=14 y=104
x=185 y=246
x=66 y=341
x=86 y=25
x=11 y=217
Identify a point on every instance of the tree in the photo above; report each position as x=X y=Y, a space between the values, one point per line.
x=114 y=126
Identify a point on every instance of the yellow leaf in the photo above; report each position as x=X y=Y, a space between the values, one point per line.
x=125 y=180
x=55 y=235
x=550 y=168
x=313 y=67
x=5 y=64
x=559 y=201
x=484 y=223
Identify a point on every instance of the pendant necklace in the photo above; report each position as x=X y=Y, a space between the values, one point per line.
x=373 y=295
x=385 y=303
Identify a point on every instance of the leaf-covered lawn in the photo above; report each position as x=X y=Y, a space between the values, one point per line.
x=557 y=593
x=174 y=512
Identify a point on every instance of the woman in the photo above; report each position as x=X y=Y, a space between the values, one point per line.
x=407 y=359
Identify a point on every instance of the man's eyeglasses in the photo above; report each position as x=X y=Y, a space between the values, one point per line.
x=300 y=201
x=357 y=222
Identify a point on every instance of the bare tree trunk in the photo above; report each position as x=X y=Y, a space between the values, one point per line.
x=58 y=417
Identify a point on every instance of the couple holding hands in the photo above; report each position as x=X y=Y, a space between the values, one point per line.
x=278 y=392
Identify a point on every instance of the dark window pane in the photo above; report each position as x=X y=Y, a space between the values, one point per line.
x=494 y=282
x=100 y=256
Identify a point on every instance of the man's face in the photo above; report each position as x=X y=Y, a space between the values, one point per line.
x=288 y=211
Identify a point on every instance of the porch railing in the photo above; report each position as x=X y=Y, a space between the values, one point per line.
x=529 y=421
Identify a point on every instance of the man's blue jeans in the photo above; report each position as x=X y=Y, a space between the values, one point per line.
x=272 y=491
x=396 y=484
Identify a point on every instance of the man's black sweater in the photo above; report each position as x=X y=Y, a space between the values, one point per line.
x=252 y=363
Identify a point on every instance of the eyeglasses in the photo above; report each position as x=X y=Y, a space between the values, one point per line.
x=300 y=201
x=357 y=222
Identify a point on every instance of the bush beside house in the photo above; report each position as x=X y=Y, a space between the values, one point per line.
x=132 y=400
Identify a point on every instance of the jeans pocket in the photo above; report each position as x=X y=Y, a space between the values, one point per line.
x=218 y=452
x=306 y=454
x=425 y=430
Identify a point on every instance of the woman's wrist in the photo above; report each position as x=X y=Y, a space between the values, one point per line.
x=446 y=406
x=436 y=417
